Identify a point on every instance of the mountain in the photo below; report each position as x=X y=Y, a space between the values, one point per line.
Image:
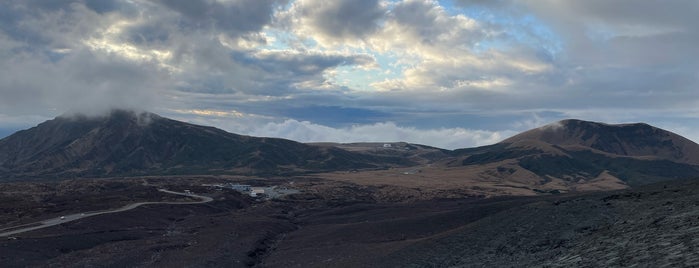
x=581 y=155
x=139 y=143
x=566 y=156
x=634 y=140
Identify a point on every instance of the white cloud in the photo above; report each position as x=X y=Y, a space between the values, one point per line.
x=448 y=138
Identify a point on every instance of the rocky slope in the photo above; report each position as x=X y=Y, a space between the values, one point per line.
x=653 y=226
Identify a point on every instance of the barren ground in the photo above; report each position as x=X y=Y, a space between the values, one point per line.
x=335 y=223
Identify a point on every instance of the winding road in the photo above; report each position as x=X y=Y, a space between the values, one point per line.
x=77 y=216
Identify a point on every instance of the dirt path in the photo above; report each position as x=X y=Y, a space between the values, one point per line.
x=77 y=216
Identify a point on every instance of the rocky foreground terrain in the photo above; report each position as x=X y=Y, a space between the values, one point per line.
x=657 y=226
x=651 y=226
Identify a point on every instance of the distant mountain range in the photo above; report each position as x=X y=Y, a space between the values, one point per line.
x=563 y=156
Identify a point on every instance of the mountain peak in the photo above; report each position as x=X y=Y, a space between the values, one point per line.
x=115 y=115
x=635 y=139
x=583 y=123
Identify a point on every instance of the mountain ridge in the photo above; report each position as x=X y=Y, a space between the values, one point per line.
x=635 y=139
x=140 y=143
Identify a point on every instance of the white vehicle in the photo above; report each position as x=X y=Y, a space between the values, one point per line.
x=63 y=217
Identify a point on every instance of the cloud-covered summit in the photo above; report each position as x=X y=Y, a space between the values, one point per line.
x=331 y=67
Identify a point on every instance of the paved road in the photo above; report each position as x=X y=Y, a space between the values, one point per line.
x=73 y=217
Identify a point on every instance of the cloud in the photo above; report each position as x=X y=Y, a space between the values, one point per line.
x=49 y=69
x=442 y=51
x=625 y=33
x=300 y=64
x=448 y=138
x=612 y=34
x=305 y=70
x=428 y=23
x=333 y=22
x=419 y=63
x=234 y=17
x=83 y=81
x=89 y=57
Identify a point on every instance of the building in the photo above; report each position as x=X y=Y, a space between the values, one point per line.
x=240 y=187
x=387 y=145
x=412 y=171
x=257 y=191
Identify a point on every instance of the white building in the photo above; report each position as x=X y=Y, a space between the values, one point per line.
x=255 y=191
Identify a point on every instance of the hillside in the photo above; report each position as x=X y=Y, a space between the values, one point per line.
x=414 y=152
x=130 y=143
x=581 y=151
x=652 y=226
x=566 y=156
x=634 y=140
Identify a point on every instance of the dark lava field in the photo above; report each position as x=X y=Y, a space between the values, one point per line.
x=650 y=226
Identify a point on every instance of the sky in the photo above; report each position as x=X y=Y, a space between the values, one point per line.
x=451 y=74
